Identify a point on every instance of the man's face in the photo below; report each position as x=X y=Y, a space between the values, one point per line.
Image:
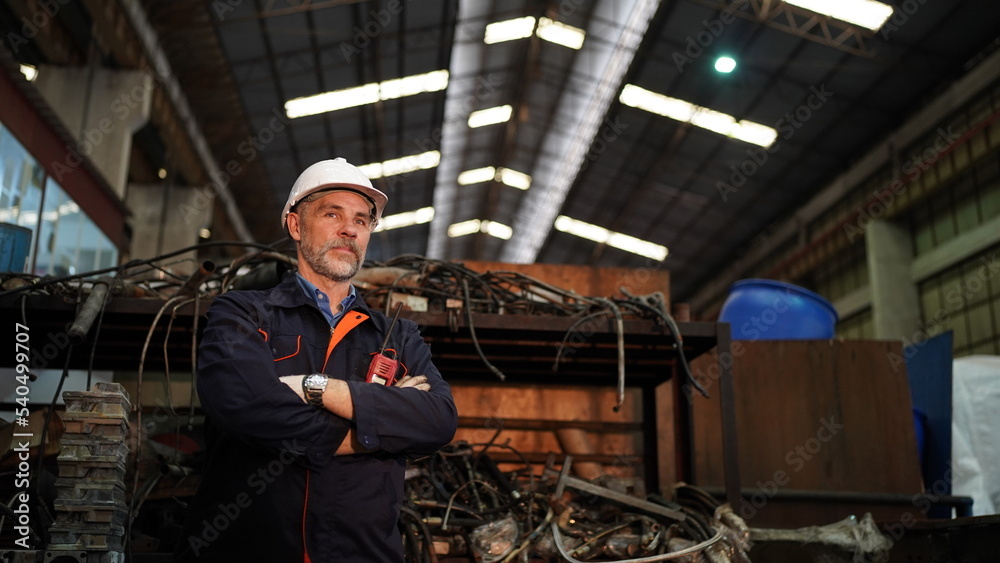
x=333 y=233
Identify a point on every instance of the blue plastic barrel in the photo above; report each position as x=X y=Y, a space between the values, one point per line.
x=15 y=241
x=759 y=309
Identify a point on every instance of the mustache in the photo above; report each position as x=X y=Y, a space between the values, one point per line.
x=347 y=243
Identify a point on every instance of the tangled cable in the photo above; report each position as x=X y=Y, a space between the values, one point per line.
x=507 y=292
x=460 y=503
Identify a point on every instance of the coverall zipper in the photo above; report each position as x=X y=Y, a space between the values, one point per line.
x=349 y=322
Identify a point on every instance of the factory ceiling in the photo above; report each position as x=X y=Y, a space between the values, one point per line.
x=576 y=138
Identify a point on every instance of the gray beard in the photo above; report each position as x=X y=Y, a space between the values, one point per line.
x=317 y=256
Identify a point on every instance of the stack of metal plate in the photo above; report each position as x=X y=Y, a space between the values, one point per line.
x=90 y=492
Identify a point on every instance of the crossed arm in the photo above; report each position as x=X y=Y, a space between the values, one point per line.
x=416 y=416
x=337 y=399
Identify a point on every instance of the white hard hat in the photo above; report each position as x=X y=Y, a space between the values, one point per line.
x=329 y=174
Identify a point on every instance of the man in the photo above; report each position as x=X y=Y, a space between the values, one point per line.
x=305 y=460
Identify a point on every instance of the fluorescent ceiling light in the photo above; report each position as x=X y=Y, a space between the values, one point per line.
x=477 y=176
x=406 y=219
x=367 y=94
x=637 y=246
x=753 y=133
x=560 y=33
x=509 y=30
x=490 y=116
x=411 y=85
x=464 y=228
x=404 y=165
x=618 y=240
x=581 y=229
x=472 y=226
x=866 y=13
x=498 y=230
x=29 y=72
x=514 y=179
x=548 y=30
x=712 y=120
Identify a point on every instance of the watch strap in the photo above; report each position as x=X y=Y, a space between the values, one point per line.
x=313 y=386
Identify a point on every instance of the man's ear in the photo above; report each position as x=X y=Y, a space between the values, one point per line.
x=294 y=224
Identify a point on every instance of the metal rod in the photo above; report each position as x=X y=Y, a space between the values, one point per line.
x=88 y=312
x=565 y=480
x=191 y=285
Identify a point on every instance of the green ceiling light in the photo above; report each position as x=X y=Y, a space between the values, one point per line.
x=725 y=65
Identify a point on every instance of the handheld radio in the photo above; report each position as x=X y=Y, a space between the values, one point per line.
x=383 y=367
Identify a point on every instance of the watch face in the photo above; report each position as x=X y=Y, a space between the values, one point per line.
x=313 y=386
x=316 y=381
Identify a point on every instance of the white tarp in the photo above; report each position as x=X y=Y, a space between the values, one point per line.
x=975 y=438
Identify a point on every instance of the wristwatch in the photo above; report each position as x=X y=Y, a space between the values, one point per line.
x=313 y=386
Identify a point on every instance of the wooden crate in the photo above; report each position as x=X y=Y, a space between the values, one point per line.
x=814 y=415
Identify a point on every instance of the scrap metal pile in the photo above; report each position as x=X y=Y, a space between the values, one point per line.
x=460 y=505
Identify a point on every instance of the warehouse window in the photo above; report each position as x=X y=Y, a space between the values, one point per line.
x=840 y=274
x=965 y=299
x=20 y=186
x=64 y=240
x=857 y=327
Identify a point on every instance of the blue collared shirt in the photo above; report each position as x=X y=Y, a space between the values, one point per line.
x=323 y=301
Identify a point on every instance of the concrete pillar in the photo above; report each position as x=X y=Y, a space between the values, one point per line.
x=166 y=218
x=895 y=304
x=102 y=108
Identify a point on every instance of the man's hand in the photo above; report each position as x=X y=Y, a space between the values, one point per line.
x=417 y=382
x=295 y=383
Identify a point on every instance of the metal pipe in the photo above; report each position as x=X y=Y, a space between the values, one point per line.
x=962 y=504
x=91 y=307
x=565 y=480
x=196 y=278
